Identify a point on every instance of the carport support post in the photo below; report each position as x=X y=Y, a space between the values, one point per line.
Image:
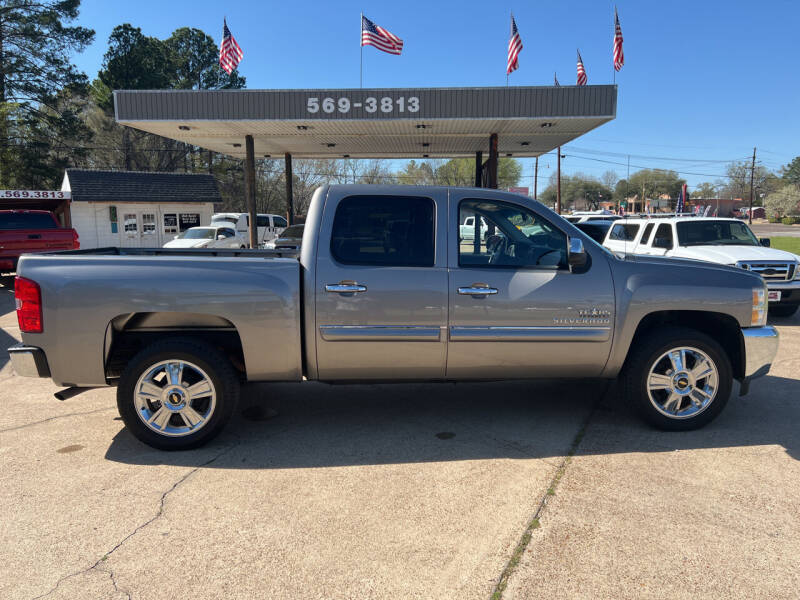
x=289 y=197
x=478 y=168
x=250 y=188
x=491 y=164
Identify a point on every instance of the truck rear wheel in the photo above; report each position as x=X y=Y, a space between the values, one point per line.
x=677 y=379
x=177 y=394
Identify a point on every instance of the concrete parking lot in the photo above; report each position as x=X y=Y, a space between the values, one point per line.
x=402 y=491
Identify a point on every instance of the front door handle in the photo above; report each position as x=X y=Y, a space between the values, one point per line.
x=345 y=287
x=477 y=289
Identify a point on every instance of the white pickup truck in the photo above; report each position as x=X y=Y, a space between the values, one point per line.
x=722 y=241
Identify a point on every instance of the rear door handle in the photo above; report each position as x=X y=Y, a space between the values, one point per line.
x=345 y=287
x=477 y=290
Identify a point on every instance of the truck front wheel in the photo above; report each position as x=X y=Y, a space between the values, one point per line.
x=177 y=394
x=677 y=379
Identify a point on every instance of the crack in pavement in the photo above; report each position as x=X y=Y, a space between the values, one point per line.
x=139 y=528
x=527 y=534
x=110 y=573
x=77 y=414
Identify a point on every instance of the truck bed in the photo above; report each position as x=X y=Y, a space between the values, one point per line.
x=253 y=295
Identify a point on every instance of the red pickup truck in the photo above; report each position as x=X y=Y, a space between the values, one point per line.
x=26 y=231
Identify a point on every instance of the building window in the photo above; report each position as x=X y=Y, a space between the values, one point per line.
x=131 y=225
x=148 y=223
x=170 y=223
x=188 y=220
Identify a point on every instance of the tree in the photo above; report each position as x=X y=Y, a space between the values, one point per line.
x=609 y=179
x=458 y=172
x=704 y=190
x=194 y=62
x=37 y=82
x=578 y=192
x=784 y=201
x=650 y=184
x=738 y=181
x=791 y=172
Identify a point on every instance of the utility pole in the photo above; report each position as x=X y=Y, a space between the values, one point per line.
x=558 y=177
x=752 y=174
x=535 y=178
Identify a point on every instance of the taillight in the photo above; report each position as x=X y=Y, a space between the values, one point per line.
x=75 y=243
x=29 y=305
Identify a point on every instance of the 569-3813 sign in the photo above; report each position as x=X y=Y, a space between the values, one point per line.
x=370 y=104
x=43 y=194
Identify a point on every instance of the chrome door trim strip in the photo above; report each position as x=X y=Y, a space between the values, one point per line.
x=379 y=333
x=529 y=334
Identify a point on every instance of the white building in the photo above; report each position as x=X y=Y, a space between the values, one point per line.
x=137 y=209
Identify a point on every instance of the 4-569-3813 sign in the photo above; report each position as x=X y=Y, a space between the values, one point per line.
x=370 y=104
x=42 y=194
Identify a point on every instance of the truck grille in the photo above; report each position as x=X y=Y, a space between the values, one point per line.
x=770 y=271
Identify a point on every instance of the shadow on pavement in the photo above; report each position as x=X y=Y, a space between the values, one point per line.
x=320 y=425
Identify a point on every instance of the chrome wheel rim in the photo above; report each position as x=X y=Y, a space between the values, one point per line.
x=175 y=398
x=682 y=382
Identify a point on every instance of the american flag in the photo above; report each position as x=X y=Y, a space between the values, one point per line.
x=619 y=57
x=375 y=35
x=230 y=54
x=514 y=47
x=555 y=81
x=582 y=79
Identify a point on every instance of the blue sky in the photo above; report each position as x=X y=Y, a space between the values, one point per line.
x=704 y=81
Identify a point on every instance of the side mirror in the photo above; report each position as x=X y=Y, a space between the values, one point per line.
x=577 y=254
x=765 y=242
x=220 y=237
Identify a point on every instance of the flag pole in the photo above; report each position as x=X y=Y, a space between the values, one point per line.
x=361 y=44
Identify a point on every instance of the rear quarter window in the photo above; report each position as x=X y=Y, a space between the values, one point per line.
x=624 y=232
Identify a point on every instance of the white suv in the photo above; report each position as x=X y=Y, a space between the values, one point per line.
x=723 y=241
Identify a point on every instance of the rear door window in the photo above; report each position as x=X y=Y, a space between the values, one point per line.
x=384 y=230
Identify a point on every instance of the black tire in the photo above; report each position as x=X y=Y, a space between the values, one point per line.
x=783 y=310
x=645 y=354
x=194 y=353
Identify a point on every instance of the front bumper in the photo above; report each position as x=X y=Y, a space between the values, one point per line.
x=29 y=361
x=760 y=348
x=790 y=291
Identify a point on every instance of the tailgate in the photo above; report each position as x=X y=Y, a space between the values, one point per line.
x=14 y=242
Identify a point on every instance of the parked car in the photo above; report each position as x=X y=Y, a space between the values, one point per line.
x=269 y=226
x=717 y=240
x=584 y=216
x=177 y=331
x=26 y=231
x=290 y=239
x=467 y=229
x=208 y=237
x=597 y=229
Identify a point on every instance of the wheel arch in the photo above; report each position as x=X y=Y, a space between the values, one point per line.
x=719 y=326
x=126 y=334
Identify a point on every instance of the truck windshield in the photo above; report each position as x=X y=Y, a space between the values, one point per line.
x=715 y=233
x=27 y=221
x=198 y=233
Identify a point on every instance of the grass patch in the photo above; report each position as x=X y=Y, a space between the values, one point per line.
x=790 y=244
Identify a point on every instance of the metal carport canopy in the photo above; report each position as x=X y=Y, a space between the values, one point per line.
x=371 y=123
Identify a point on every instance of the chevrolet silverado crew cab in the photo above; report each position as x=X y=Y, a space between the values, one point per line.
x=386 y=288
x=722 y=241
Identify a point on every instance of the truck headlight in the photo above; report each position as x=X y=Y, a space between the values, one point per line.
x=797 y=270
x=758 y=317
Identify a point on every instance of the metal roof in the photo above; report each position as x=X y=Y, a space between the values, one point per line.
x=138 y=186
x=371 y=123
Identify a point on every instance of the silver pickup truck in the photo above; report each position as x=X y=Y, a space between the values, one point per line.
x=385 y=288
